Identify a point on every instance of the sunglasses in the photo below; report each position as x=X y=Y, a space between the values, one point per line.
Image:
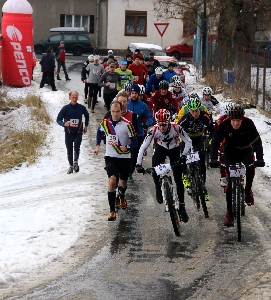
x=162 y=124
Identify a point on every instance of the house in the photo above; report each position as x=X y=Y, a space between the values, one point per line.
x=112 y=24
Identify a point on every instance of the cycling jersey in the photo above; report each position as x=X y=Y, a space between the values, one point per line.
x=159 y=101
x=181 y=96
x=118 y=133
x=194 y=127
x=212 y=103
x=185 y=110
x=168 y=140
x=124 y=76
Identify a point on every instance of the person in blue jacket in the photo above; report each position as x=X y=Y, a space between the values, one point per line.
x=70 y=117
x=153 y=83
x=169 y=73
x=143 y=114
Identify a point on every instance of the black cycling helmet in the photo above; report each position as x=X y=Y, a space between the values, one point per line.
x=194 y=102
x=235 y=111
x=163 y=85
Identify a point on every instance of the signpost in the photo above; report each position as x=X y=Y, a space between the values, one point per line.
x=161 y=27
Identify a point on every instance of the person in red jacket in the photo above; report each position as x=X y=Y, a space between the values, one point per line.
x=61 y=57
x=163 y=98
x=140 y=71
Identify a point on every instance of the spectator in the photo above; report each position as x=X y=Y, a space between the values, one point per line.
x=61 y=57
x=48 y=68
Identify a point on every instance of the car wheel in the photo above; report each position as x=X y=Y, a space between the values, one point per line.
x=176 y=54
x=77 y=51
x=38 y=49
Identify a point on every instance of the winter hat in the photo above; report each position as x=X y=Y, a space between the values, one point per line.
x=62 y=43
x=110 y=51
x=135 y=88
x=97 y=57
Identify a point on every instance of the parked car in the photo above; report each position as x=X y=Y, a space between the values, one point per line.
x=165 y=60
x=145 y=49
x=76 y=42
x=184 y=49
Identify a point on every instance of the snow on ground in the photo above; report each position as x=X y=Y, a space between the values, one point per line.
x=43 y=210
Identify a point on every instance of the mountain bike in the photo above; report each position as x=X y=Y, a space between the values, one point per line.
x=169 y=195
x=197 y=189
x=236 y=174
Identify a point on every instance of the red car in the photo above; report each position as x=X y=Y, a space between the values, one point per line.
x=184 y=49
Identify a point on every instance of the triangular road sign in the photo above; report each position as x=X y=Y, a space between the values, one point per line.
x=161 y=27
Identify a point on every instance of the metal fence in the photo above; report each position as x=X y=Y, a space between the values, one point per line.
x=246 y=73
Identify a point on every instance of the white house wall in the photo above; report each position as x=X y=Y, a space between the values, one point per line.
x=116 y=25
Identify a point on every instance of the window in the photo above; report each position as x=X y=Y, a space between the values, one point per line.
x=136 y=23
x=78 y=21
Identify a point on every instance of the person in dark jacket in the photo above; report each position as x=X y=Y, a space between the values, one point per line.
x=48 y=66
x=241 y=140
x=70 y=117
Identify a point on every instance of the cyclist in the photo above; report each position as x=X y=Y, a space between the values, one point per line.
x=241 y=141
x=143 y=97
x=193 y=123
x=154 y=80
x=167 y=136
x=185 y=108
x=120 y=138
x=127 y=87
x=210 y=101
x=178 y=90
x=163 y=98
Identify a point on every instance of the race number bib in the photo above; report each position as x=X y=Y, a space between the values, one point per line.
x=237 y=171
x=74 y=122
x=192 y=157
x=112 y=139
x=162 y=169
x=112 y=85
x=135 y=78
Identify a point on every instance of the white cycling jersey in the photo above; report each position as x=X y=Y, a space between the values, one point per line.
x=169 y=140
x=212 y=103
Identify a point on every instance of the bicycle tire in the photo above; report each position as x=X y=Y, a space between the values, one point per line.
x=199 y=182
x=238 y=212
x=233 y=196
x=193 y=187
x=172 y=211
x=207 y=154
x=243 y=206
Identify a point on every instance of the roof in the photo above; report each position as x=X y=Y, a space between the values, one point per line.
x=68 y=29
x=134 y=46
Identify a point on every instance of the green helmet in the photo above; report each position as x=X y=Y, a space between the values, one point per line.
x=194 y=102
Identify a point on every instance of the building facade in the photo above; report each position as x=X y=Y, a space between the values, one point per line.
x=111 y=24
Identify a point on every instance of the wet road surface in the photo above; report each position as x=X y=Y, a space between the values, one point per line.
x=139 y=257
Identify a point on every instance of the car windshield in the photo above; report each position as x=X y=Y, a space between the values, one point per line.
x=164 y=64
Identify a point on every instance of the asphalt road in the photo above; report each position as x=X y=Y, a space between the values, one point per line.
x=139 y=257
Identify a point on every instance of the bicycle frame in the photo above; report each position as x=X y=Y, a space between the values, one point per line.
x=196 y=180
x=236 y=174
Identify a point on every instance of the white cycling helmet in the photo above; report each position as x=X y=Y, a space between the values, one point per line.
x=142 y=89
x=177 y=83
x=91 y=57
x=175 y=77
x=207 y=91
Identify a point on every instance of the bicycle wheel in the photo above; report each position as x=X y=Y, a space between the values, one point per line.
x=238 y=211
x=199 y=182
x=171 y=208
x=207 y=154
x=243 y=206
x=193 y=187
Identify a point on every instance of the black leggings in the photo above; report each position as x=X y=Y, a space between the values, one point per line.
x=159 y=156
x=108 y=98
x=73 y=143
